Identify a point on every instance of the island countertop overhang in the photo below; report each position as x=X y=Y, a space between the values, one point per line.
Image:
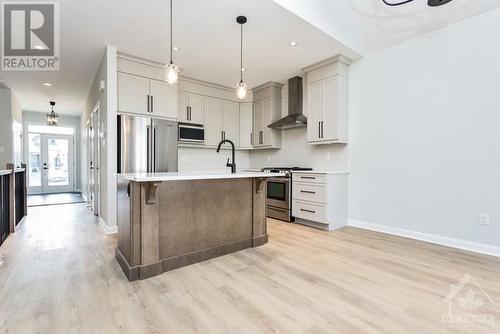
x=196 y=175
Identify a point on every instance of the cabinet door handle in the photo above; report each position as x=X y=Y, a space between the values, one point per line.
x=152 y=104
x=190 y=113
x=222 y=135
x=308 y=192
x=319 y=129
x=251 y=138
x=308 y=177
x=310 y=211
x=147 y=99
x=322 y=136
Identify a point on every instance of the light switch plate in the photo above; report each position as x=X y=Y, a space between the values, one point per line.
x=484 y=219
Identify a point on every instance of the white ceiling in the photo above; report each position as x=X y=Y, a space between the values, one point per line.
x=368 y=25
x=208 y=38
x=205 y=31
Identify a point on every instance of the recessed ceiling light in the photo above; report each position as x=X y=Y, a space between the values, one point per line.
x=243 y=69
x=292 y=43
x=47 y=84
x=176 y=48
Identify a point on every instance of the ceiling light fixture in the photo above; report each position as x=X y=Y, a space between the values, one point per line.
x=47 y=84
x=431 y=3
x=172 y=71
x=292 y=44
x=52 y=117
x=176 y=48
x=241 y=88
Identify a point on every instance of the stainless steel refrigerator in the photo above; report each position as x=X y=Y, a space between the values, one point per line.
x=146 y=144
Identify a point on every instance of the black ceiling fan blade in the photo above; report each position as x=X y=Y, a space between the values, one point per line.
x=436 y=3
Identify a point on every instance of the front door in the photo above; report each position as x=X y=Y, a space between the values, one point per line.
x=50 y=163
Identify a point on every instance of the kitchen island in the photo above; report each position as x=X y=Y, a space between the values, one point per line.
x=170 y=220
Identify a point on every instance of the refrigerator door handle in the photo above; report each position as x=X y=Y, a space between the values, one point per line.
x=148 y=149
x=154 y=149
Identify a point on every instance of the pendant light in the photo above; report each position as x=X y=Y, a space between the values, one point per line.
x=52 y=117
x=431 y=3
x=241 y=88
x=172 y=71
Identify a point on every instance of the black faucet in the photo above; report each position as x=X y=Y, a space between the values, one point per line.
x=233 y=164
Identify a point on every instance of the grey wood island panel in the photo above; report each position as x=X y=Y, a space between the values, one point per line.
x=164 y=225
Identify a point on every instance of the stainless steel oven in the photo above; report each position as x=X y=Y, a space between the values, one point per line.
x=191 y=133
x=279 y=193
x=278 y=198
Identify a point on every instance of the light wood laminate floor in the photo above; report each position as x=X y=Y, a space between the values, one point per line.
x=59 y=276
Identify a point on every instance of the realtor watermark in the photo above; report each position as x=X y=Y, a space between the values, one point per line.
x=466 y=302
x=30 y=36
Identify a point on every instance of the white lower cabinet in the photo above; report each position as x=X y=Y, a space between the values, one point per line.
x=320 y=199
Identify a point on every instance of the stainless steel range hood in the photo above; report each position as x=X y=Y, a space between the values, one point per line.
x=295 y=118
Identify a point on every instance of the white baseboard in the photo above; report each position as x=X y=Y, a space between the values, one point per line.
x=107 y=229
x=432 y=238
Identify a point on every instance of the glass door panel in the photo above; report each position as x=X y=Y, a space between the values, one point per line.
x=58 y=162
x=57 y=154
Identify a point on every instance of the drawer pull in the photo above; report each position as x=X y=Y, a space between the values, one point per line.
x=308 y=192
x=305 y=210
x=308 y=177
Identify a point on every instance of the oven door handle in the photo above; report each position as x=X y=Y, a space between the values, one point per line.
x=279 y=180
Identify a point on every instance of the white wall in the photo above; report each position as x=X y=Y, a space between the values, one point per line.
x=209 y=159
x=64 y=120
x=10 y=135
x=107 y=99
x=425 y=144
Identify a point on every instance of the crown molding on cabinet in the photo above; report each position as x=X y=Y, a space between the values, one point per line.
x=335 y=59
x=140 y=60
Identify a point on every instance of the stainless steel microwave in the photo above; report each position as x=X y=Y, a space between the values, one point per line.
x=191 y=133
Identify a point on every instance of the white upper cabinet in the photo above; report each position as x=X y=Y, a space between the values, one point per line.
x=191 y=108
x=133 y=94
x=327 y=101
x=163 y=99
x=196 y=114
x=140 y=95
x=231 y=122
x=246 y=125
x=213 y=121
x=314 y=102
x=222 y=121
x=267 y=109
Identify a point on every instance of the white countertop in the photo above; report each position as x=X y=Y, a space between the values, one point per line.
x=321 y=172
x=193 y=175
x=5 y=171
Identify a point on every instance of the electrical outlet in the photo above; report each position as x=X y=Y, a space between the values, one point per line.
x=484 y=219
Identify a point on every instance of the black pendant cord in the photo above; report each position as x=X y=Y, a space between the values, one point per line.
x=397 y=3
x=171 y=41
x=241 y=53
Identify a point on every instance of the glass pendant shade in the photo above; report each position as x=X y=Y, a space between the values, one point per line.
x=52 y=118
x=241 y=90
x=172 y=73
